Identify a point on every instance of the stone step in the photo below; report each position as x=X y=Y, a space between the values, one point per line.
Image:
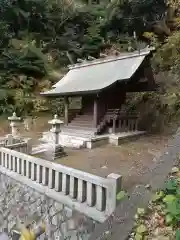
x=39 y=148
x=78 y=132
x=83 y=120
x=81 y=124
x=80 y=128
x=84 y=116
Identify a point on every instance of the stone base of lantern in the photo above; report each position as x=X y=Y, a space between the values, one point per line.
x=58 y=151
x=53 y=152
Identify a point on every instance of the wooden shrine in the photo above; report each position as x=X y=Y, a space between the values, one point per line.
x=103 y=84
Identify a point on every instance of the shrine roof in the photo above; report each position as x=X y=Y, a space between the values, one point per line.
x=93 y=76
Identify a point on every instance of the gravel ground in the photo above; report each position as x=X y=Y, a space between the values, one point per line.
x=131 y=159
x=120 y=224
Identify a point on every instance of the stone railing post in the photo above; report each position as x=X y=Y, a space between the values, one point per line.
x=112 y=193
x=14 y=124
x=9 y=139
x=29 y=145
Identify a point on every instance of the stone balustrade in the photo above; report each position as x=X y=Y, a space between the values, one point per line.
x=17 y=144
x=90 y=194
x=9 y=139
x=19 y=147
x=3 y=141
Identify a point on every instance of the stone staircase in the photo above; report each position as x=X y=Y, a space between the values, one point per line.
x=81 y=130
x=82 y=124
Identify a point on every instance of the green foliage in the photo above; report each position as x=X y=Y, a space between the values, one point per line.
x=175 y=170
x=172 y=200
x=168 y=56
x=171 y=186
x=121 y=195
x=169 y=219
x=178 y=234
x=141 y=212
x=40 y=38
x=169 y=198
x=163 y=212
x=141 y=229
x=173 y=208
x=158 y=196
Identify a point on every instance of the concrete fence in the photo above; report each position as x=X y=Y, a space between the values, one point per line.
x=19 y=147
x=17 y=144
x=3 y=141
x=92 y=195
x=9 y=140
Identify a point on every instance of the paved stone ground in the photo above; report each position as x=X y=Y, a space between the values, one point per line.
x=20 y=204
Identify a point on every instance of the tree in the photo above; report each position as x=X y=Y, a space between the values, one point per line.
x=40 y=38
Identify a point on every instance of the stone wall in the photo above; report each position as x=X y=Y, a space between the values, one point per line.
x=65 y=140
x=87 y=193
x=20 y=204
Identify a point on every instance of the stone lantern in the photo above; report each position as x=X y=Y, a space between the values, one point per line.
x=56 y=128
x=57 y=149
x=14 y=124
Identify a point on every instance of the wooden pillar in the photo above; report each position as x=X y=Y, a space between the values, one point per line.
x=114 y=126
x=148 y=72
x=95 y=116
x=66 y=103
x=83 y=102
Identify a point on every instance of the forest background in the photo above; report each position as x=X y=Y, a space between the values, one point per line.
x=40 y=38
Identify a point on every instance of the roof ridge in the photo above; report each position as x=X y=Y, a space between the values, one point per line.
x=143 y=52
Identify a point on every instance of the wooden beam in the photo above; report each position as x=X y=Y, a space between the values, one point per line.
x=66 y=110
x=150 y=76
x=114 y=126
x=70 y=57
x=95 y=115
x=141 y=87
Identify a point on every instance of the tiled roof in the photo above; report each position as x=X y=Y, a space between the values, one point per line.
x=98 y=74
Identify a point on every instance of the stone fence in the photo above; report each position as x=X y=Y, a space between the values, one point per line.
x=16 y=144
x=19 y=147
x=92 y=195
x=8 y=140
